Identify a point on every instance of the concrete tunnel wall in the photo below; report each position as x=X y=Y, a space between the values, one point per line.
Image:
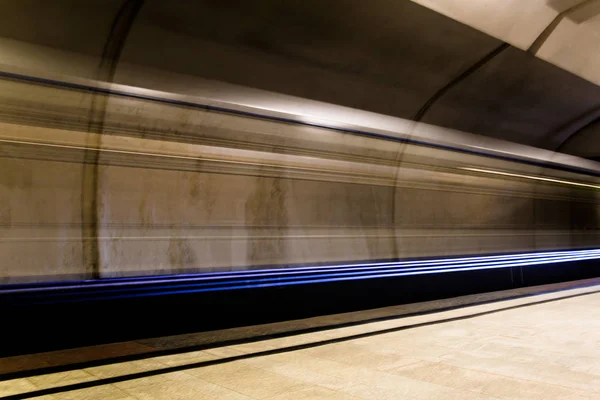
x=166 y=189
x=182 y=189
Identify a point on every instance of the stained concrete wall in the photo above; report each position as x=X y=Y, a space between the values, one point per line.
x=185 y=189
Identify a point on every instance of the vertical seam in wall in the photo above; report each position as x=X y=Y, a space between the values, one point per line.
x=90 y=180
x=419 y=116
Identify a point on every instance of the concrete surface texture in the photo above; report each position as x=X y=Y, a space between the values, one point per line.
x=542 y=347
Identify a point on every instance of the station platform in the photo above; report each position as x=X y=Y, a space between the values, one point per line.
x=529 y=343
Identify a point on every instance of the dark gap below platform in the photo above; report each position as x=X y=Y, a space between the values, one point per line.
x=41 y=328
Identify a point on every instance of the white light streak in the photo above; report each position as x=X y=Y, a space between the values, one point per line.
x=537 y=178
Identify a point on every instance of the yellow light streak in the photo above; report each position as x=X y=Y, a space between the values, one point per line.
x=537 y=178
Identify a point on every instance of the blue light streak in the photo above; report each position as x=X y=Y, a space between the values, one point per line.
x=267 y=278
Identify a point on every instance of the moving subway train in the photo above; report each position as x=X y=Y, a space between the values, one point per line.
x=110 y=181
x=178 y=167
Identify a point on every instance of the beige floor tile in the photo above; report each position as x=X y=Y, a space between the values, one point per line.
x=16 y=386
x=373 y=392
x=169 y=378
x=255 y=347
x=125 y=368
x=391 y=392
x=341 y=370
x=358 y=376
x=294 y=371
x=105 y=392
x=445 y=375
x=410 y=349
x=61 y=379
x=314 y=393
x=225 y=352
x=508 y=365
x=189 y=390
x=379 y=360
x=295 y=340
x=248 y=380
x=191 y=357
x=481 y=382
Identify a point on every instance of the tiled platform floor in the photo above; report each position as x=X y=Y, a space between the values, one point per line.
x=541 y=347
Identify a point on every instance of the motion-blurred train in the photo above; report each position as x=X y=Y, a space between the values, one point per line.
x=103 y=181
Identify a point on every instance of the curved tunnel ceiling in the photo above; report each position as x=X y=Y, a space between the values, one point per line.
x=397 y=58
